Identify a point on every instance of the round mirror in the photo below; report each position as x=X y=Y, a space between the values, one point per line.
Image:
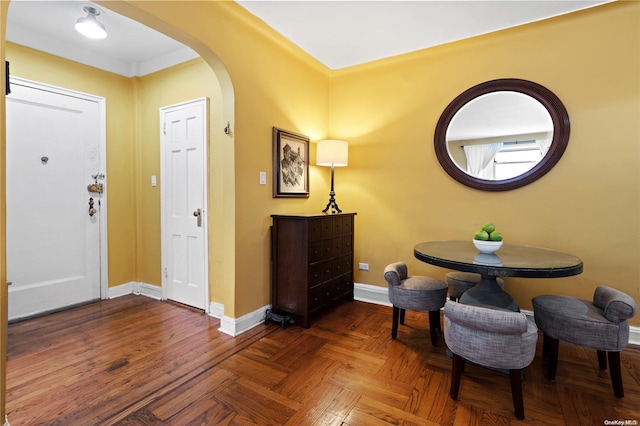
x=502 y=134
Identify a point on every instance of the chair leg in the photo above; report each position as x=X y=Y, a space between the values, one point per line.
x=394 y=322
x=456 y=375
x=402 y=311
x=602 y=360
x=616 y=373
x=438 y=321
x=552 y=345
x=434 y=319
x=545 y=346
x=515 y=377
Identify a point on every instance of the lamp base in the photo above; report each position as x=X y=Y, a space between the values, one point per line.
x=332 y=204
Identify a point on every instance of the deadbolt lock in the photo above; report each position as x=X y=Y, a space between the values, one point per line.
x=95 y=187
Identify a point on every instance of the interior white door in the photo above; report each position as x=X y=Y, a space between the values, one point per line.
x=53 y=242
x=183 y=180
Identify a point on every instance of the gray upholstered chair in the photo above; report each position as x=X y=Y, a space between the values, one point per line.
x=602 y=325
x=490 y=338
x=416 y=293
x=459 y=282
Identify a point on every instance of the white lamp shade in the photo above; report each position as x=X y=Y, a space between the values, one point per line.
x=331 y=152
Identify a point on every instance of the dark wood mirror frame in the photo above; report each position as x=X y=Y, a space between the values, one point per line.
x=561 y=130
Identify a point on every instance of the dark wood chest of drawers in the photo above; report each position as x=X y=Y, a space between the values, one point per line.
x=312 y=262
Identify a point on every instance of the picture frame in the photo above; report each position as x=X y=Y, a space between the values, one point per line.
x=290 y=164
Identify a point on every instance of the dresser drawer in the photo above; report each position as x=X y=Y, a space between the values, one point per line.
x=315 y=298
x=316 y=275
x=315 y=230
x=315 y=252
x=347 y=225
x=343 y=285
x=327 y=227
x=327 y=249
x=337 y=246
x=347 y=244
x=347 y=263
x=338 y=225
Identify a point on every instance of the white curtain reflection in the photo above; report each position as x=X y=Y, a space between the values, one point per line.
x=479 y=157
x=544 y=144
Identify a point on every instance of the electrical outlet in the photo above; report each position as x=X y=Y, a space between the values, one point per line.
x=363 y=266
x=263 y=178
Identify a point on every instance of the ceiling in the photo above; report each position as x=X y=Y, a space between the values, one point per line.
x=337 y=33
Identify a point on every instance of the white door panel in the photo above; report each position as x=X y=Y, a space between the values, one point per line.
x=53 y=244
x=183 y=143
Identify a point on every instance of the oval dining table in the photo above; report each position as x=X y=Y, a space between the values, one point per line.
x=511 y=260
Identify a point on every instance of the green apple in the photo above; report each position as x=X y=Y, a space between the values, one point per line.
x=495 y=236
x=488 y=227
x=481 y=235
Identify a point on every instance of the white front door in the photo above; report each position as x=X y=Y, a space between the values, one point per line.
x=54 y=140
x=183 y=183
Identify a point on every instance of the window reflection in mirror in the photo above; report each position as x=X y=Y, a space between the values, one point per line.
x=499 y=135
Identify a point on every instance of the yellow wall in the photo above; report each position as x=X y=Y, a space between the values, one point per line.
x=588 y=205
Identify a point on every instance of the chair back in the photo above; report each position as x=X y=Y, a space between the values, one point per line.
x=395 y=273
x=490 y=337
x=616 y=305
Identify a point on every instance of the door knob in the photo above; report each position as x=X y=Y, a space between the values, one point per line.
x=92 y=211
x=198 y=215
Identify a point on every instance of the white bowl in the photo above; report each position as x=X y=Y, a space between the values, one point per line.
x=487 y=259
x=487 y=247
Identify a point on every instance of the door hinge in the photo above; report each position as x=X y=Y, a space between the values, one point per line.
x=166 y=272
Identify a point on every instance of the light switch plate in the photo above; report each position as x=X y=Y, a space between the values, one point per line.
x=263 y=178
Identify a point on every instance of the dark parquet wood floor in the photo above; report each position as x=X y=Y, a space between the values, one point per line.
x=139 y=361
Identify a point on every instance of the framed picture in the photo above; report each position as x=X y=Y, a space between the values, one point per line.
x=290 y=164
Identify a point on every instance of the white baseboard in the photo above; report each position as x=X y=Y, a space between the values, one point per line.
x=150 y=290
x=216 y=310
x=122 y=290
x=379 y=295
x=141 y=289
x=634 y=335
x=237 y=326
x=371 y=294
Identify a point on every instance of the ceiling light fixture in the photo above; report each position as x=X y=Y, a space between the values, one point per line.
x=89 y=26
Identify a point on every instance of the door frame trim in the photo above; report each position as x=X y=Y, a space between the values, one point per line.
x=102 y=143
x=163 y=196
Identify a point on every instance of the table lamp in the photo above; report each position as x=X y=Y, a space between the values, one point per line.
x=334 y=153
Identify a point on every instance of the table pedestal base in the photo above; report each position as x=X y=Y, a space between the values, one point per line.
x=489 y=294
